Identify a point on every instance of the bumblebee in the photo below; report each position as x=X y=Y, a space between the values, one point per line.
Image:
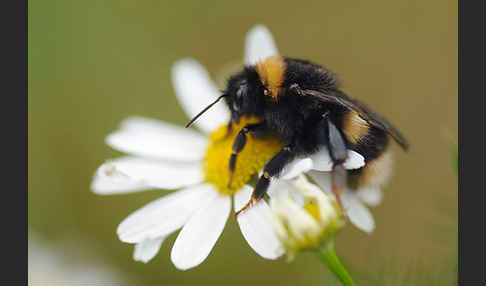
x=303 y=104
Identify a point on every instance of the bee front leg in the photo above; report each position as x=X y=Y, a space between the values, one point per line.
x=272 y=169
x=339 y=154
x=239 y=145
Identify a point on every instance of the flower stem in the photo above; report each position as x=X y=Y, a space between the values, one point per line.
x=327 y=253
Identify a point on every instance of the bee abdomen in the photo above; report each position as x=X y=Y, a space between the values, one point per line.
x=372 y=143
x=354 y=127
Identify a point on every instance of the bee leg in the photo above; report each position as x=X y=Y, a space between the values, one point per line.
x=239 y=144
x=339 y=154
x=272 y=169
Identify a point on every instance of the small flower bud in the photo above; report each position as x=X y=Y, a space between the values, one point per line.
x=304 y=217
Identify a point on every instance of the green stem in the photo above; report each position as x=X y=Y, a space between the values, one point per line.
x=328 y=255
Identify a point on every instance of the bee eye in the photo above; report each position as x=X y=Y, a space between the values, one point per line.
x=240 y=94
x=242 y=91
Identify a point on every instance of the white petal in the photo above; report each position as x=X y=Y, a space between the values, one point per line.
x=152 y=138
x=108 y=181
x=358 y=214
x=200 y=233
x=256 y=226
x=296 y=168
x=280 y=188
x=323 y=179
x=322 y=161
x=165 y=215
x=354 y=161
x=195 y=90
x=156 y=173
x=372 y=196
x=276 y=186
x=259 y=45
x=147 y=249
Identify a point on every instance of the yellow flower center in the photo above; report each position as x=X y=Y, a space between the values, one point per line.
x=250 y=161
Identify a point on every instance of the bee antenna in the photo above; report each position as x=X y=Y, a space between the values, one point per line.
x=204 y=110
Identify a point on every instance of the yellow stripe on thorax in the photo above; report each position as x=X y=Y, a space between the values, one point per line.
x=272 y=74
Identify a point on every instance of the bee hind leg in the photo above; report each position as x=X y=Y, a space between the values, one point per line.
x=338 y=153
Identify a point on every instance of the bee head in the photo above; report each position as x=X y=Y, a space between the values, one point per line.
x=244 y=94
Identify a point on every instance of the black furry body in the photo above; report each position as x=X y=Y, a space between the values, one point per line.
x=297 y=119
x=302 y=103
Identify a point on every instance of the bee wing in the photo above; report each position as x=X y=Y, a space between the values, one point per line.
x=363 y=111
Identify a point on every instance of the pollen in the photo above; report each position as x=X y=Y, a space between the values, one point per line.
x=251 y=159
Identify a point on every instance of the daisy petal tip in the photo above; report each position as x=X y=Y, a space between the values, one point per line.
x=259 y=29
x=257 y=228
x=114 y=140
x=199 y=235
x=188 y=68
x=354 y=161
x=146 y=250
x=368 y=229
x=95 y=189
x=195 y=89
x=183 y=65
x=123 y=231
x=366 y=226
x=371 y=196
x=358 y=214
x=182 y=263
x=108 y=181
x=259 y=45
x=109 y=139
x=276 y=254
x=122 y=235
x=126 y=237
x=141 y=259
x=364 y=222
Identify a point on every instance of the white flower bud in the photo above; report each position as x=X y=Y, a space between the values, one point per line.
x=304 y=217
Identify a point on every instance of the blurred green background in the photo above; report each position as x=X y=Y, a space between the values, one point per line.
x=93 y=63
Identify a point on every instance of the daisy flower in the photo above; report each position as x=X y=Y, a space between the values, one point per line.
x=165 y=156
